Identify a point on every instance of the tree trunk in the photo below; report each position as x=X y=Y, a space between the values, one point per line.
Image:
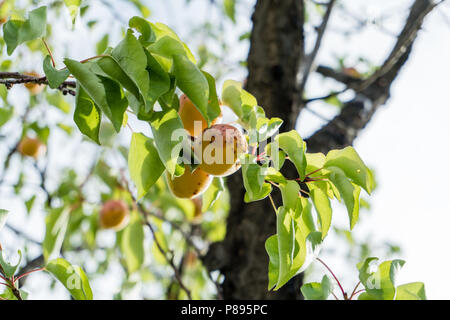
x=273 y=62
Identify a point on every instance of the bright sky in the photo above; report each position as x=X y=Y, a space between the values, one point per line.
x=406 y=143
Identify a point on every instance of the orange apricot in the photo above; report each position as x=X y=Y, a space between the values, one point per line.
x=34 y=88
x=189 y=184
x=219 y=148
x=189 y=115
x=114 y=215
x=31 y=147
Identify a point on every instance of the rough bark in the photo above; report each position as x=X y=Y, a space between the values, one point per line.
x=273 y=62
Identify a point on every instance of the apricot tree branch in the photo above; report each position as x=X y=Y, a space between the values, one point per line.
x=372 y=92
x=11 y=78
x=312 y=56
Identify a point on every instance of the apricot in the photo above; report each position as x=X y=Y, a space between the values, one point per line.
x=114 y=215
x=31 y=147
x=190 y=184
x=189 y=114
x=219 y=148
x=34 y=88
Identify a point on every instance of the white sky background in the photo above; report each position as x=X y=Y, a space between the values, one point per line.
x=406 y=143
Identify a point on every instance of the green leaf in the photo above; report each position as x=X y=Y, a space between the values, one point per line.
x=316 y=290
x=102 y=45
x=147 y=36
x=379 y=281
x=213 y=101
x=144 y=163
x=212 y=193
x=55 y=77
x=291 y=143
x=323 y=208
x=72 y=277
x=131 y=57
x=193 y=83
x=253 y=176
x=56 y=224
x=348 y=191
x=349 y=161
x=105 y=92
x=411 y=291
x=87 y=115
x=116 y=101
x=237 y=98
x=169 y=135
x=168 y=43
x=9 y=269
x=17 y=32
x=73 y=6
x=132 y=244
x=230 y=9
x=267 y=127
x=290 y=193
x=91 y=83
x=286 y=244
x=271 y=246
x=159 y=79
x=3 y=216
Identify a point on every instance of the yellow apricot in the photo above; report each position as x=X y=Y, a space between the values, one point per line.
x=189 y=184
x=114 y=215
x=31 y=147
x=34 y=88
x=219 y=148
x=189 y=114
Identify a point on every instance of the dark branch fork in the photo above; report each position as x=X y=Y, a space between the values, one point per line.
x=11 y=78
x=371 y=93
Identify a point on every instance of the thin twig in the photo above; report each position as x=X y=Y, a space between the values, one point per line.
x=312 y=56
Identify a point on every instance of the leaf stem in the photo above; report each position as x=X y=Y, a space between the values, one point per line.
x=334 y=276
x=273 y=203
x=49 y=52
x=27 y=273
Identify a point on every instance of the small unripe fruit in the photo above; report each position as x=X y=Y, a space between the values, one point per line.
x=34 y=88
x=189 y=184
x=31 y=147
x=189 y=114
x=220 y=147
x=114 y=215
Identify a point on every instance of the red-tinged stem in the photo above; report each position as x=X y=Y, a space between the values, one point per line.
x=359 y=291
x=3 y=278
x=49 y=52
x=27 y=273
x=314 y=172
x=334 y=276
x=334 y=296
x=354 y=290
x=262 y=154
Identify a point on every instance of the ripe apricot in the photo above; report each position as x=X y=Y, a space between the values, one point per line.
x=31 y=147
x=219 y=148
x=189 y=114
x=114 y=215
x=34 y=88
x=189 y=184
